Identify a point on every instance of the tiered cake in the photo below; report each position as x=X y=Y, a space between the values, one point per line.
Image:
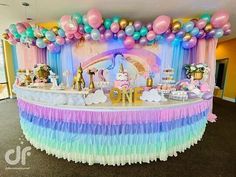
x=167 y=81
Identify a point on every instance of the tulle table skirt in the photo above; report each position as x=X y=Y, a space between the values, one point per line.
x=113 y=136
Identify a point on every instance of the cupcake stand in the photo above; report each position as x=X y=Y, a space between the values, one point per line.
x=59 y=123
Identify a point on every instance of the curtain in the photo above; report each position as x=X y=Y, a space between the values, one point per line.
x=166 y=53
x=177 y=60
x=29 y=56
x=14 y=58
x=66 y=59
x=53 y=60
x=206 y=54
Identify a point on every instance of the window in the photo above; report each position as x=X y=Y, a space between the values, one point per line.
x=3 y=79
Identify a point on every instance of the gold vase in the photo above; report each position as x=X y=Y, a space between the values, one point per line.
x=149 y=82
x=197 y=75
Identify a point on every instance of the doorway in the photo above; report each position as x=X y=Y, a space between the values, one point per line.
x=4 y=92
x=220 y=75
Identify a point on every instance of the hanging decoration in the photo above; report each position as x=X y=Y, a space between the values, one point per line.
x=92 y=26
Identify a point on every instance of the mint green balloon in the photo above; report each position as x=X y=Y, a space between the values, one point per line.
x=107 y=23
x=87 y=28
x=206 y=17
x=143 y=31
x=136 y=35
x=116 y=19
x=17 y=35
x=78 y=17
x=30 y=32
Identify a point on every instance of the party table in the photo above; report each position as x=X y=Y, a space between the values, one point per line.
x=106 y=133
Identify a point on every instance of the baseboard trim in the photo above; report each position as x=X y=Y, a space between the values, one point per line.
x=229 y=99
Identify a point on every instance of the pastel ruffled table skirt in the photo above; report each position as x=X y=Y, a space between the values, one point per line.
x=113 y=137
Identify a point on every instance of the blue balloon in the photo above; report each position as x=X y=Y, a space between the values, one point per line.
x=40 y=43
x=129 y=30
x=61 y=33
x=50 y=36
x=95 y=34
x=195 y=31
x=219 y=33
x=188 y=26
x=159 y=38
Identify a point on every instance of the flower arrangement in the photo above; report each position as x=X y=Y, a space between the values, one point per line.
x=195 y=70
x=41 y=72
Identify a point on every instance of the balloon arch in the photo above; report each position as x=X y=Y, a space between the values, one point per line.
x=92 y=26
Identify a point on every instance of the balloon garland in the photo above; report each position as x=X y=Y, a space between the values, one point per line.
x=93 y=27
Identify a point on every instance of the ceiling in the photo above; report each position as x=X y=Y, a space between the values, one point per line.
x=11 y=11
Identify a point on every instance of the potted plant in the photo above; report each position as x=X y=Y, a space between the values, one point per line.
x=195 y=70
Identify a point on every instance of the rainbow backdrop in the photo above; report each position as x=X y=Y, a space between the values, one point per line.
x=113 y=136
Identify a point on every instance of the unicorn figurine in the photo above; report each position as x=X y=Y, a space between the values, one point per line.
x=79 y=80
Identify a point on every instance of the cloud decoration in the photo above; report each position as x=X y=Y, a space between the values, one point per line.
x=95 y=98
x=151 y=96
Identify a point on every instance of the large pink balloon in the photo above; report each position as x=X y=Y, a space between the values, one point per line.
x=20 y=28
x=129 y=42
x=161 y=24
x=68 y=24
x=94 y=17
x=219 y=19
x=201 y=23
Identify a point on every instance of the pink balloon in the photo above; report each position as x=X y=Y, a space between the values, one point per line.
x=12 y=41
x=69 y=36
x=170 y=37
x=219 y=19
x=161 y=24
x=77 y=35
x=201 y=23
x=60 y=40
x=151 y=35
x=51 y=47
x=226 y=26
x=68 y=24
x=129 y=42
x=94 y=18
x=115 y=27
x=26 y=24
x=20 y=28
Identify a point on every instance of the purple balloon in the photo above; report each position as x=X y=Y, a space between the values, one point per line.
x=102 y=29
x=143 y=41
x=137 y=25
x=87 y=36
x=81 y=29
x=211 y=33
x=190 y=44
x=227 y=32
x=170 y=37
x=149 y=26
x=108 y=34
x=121 y=34
x=167 y=32
x=201 y=23
x=180 y=34
x=201 y=34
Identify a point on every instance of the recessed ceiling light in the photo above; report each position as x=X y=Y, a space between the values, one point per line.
x=26 y=4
